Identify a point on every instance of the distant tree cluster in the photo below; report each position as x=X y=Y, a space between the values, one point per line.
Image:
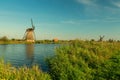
x=4 y=38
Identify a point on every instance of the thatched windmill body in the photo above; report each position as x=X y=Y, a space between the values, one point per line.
x=29 y=35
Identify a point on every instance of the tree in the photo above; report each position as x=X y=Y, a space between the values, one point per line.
x=4 y=38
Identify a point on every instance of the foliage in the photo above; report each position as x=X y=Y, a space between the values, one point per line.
x=7 y=72
x=86 y=60
x=110 y=69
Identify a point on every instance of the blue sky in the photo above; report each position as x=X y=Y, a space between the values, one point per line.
x=62 y=19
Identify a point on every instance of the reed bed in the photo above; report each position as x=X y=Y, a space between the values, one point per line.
x=86 y=60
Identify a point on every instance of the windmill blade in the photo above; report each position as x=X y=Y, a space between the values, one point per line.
x=32 y=24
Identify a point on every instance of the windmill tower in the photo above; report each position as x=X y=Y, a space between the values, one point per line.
x=29 y=35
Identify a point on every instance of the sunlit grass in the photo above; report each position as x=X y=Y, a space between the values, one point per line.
x=8 y=72
x=86 y=60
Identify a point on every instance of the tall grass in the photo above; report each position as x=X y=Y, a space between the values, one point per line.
x=86 y=60
x=7 y=72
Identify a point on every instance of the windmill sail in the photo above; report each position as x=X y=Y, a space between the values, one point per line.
x=32 y=24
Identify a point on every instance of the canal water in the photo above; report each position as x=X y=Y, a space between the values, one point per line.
x=27 y=54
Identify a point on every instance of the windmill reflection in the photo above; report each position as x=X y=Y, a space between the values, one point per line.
x=3 y=49
x=30 y=54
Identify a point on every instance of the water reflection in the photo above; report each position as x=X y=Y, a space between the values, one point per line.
x=3 y=49
x=29 y=54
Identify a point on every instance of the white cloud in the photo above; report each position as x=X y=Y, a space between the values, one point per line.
x=91 y=8
x=79 y=21
x=87 y=21
x=87 y=2
x=117 y=4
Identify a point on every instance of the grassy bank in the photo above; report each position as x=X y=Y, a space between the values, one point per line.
x=76 y=60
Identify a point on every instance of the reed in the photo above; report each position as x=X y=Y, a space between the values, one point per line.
x=86 y=60
x=8 y=72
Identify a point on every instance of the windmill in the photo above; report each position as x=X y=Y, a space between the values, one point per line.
x=29 y=35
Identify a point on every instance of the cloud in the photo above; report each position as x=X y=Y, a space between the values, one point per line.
x=100 y=8
x=111 y=19
x=87 y=21
x=80 y=21
x=69 y=22
x=116 y=4
x=91 y=8
x=87 y=2
x=100 y=3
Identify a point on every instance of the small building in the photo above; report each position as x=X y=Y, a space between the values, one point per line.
x=55 y=40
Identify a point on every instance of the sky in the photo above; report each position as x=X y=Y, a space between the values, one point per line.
x=62 y=19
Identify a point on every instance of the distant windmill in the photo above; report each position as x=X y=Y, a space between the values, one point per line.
x=29 y=35
x=101 y=38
